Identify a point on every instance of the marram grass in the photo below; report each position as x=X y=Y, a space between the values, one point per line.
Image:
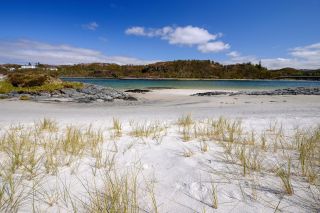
x=31 y=155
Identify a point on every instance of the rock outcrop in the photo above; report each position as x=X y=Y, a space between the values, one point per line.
x=88 y=94
x=287 y=91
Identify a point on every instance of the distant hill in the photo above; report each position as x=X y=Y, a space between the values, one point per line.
x=199 y=69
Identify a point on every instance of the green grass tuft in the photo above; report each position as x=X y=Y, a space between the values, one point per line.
x=6 y=87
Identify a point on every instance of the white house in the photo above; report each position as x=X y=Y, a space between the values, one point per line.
x=52 y=68
x=29 y=66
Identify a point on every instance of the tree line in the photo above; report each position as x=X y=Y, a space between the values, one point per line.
x=199 y=69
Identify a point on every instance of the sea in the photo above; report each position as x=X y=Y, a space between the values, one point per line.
x=197 y=84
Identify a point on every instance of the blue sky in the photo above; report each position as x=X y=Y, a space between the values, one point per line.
x=280 y=33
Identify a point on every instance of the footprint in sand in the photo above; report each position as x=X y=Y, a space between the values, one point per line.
x=197 y=190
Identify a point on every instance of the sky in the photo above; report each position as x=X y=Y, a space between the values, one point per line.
x=279 y=33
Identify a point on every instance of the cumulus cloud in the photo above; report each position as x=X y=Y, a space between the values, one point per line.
x=90 y=26
x=189 y=35
x=138 y=31
x=304 y=57
x=233 y=54
x=213 y=47
x=185 y=36
x=22 y=51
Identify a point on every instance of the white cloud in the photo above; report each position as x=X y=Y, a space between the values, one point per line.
x=236 y=57
x=90 y=26
x=188 y=36
x=305 y=57
x=22 y=51
x=307 y=52
x=138 y=31
x=233 y=54
x=213 y=47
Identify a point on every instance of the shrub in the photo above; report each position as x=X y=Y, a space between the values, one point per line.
x=27 y=79
x=24 y=98
x=5 y=87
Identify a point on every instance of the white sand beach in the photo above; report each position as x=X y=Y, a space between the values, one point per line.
x=186 y=172
x=168 y=105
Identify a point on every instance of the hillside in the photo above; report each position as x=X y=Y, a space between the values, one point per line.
x=202 y=69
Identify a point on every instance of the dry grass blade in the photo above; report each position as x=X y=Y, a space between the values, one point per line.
x=117 y=127
x=48 y=125
x=285 y=176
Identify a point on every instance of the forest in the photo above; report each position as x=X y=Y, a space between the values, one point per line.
x=180 y=69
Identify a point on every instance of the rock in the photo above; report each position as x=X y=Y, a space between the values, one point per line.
x=138 y=90
x=4 y=96
x=100 y=100
x=286 y=91
x=13 y=94
x=130 y=98
x=213 y=93
x=107 y=98
x=86 y=99
x=69 y=92
x=90 y=93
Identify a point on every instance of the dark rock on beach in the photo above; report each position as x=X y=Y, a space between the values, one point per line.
x=138 y=90
x=287 y=91
x=88 y=94
x=3 y=96
x=213 y=93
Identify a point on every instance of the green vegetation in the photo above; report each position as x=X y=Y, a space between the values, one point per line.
x=6 y=87
x=181 y=69
x=32 y=82
x=172 y=69
x=28 y=79
x=199 y=69
x=24 y=98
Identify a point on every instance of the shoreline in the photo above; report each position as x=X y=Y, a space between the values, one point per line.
x=175 y=102
x=91 y=93
x=184 y=79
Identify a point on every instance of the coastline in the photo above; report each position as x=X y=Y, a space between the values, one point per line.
x=183 y=79
x=169 y=99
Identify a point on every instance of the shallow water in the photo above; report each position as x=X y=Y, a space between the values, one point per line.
x=196 y=84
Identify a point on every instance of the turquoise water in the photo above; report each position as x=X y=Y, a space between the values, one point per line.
x=197 y=84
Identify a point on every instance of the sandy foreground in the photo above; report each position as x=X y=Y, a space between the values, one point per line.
x=184 y=175
x=169 y=105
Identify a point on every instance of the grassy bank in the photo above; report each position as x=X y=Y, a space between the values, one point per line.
x=6 y=87
x=29 y=82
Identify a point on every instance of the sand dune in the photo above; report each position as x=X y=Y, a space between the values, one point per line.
x=186 y=168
